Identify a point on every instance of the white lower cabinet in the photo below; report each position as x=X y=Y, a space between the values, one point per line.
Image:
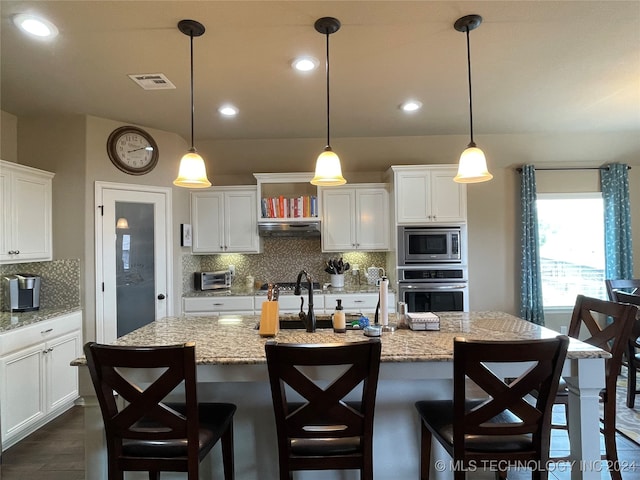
x=241 y=305
x=358 y=302
x=291 y=303
x=37 y=382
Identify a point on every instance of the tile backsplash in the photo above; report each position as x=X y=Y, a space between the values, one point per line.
x=281 y=260
x=59 y=285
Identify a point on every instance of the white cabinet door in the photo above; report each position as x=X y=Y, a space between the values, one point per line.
x=225 y=221
x=338 y=219
x=448 y=198
x=355 y=218
x=26 y=214
x=6 y=225
x=372 y=219
x=22 y=393
x=427 y=194
x=413 y=200
x=63 y=384
x=207 y=218
x=241 y=222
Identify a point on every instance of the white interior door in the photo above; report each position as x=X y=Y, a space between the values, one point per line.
x=133 y=258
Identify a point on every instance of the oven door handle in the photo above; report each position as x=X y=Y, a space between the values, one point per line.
x=434 y=287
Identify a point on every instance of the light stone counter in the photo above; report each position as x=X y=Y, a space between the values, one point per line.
x=415 y=366
x=13 y=320
x=234 y=340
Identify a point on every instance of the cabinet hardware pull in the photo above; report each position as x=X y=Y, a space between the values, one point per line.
x=218 y=304
x=46 y=331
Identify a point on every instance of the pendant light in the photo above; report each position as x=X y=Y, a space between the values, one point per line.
x=192 y=172
x=328 y=170
x=473 y=164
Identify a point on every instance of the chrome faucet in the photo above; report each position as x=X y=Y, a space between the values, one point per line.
x=309 y=319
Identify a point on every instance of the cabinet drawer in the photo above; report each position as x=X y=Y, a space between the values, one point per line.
x=39 y=332
x=358 y=302
x=218 y=304
x=291 y=303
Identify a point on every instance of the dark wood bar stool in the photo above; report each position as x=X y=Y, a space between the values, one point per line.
x=142 y=432
x=324 y=431
x=607 y=325
x=632 y=356
x=504 y=426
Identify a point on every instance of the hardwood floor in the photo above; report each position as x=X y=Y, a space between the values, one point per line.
x=56 y=452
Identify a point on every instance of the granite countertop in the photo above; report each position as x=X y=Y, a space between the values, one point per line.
x=234 y=339
x=12 y=320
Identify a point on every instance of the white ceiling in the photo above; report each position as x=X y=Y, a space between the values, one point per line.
x=537 y=66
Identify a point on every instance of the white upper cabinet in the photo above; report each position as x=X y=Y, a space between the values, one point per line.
x=355 y=217
x=25 y=227
x=428 y=194
x=224 y=220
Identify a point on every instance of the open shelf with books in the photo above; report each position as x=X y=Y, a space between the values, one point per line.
x=287 y=197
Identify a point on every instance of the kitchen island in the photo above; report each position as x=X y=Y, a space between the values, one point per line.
x=415 y=366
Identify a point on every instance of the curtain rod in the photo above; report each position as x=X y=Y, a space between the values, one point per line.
x=519 y=169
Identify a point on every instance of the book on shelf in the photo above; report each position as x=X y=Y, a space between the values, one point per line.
x=303 y=206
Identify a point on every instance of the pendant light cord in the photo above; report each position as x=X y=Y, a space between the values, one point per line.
x=192 y=102
x=328 y=103
x=472 y=143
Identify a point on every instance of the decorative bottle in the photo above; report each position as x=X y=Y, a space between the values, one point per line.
x=339 y=320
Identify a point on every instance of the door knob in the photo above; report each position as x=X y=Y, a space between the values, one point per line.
x=161 y=296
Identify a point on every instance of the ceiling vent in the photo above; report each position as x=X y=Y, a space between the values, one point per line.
x=152 y=81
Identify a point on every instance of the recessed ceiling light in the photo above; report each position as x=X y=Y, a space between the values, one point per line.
x=305 y=63
x=38 y=27
x=411 y=106
x=228 y=110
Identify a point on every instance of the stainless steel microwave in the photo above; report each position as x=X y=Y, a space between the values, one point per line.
x=423 y=245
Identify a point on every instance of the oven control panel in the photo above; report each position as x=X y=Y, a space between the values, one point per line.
x=431 y=274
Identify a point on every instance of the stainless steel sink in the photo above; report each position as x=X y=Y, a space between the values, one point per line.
x=292 y=321
x=323 y=320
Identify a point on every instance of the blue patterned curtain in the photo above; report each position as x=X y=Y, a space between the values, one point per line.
x=531 y=307
x=614 y=183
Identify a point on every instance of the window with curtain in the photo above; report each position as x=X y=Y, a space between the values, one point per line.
x=571 y=246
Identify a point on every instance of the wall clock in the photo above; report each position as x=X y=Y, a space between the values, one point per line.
x=132 y=150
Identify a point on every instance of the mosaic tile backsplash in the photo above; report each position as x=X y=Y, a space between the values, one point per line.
x=281 y=261
x=59 y=285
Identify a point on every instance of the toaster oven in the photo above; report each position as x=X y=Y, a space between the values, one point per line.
x=212 y=280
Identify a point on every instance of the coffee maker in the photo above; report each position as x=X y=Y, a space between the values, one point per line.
x=21 y=292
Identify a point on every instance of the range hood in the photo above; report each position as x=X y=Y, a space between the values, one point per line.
x=289 y=229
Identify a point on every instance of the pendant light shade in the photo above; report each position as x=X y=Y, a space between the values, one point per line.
x=192 y=172
x=472 y=167
x=328 y=170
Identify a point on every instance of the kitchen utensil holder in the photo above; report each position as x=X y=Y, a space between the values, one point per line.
x=337 y=280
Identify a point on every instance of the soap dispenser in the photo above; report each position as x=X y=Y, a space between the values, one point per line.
x=339 y=320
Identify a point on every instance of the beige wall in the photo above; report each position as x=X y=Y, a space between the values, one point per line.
x=74 y=148
x=8 y=137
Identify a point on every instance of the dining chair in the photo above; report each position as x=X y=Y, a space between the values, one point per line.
x=607 y=325
x=504 y=426
x=142 y=432
x=632 y=357
x=317 y=427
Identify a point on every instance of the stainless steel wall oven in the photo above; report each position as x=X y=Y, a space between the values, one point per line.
x=433 y=289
